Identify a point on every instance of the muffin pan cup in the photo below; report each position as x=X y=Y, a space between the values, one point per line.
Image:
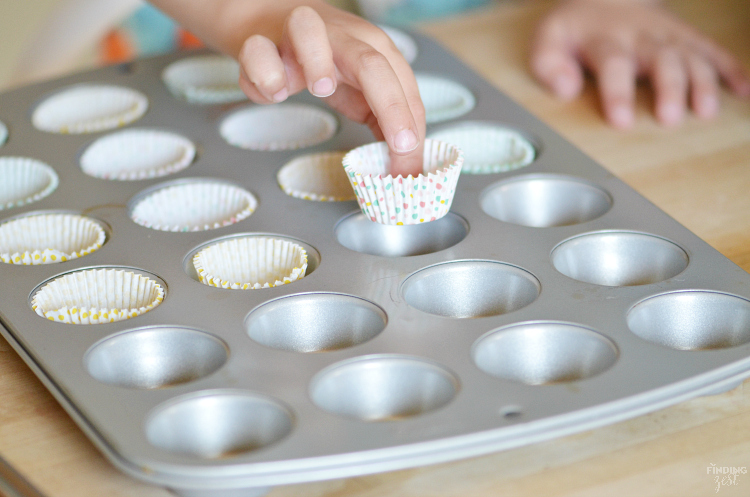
x=411 y=315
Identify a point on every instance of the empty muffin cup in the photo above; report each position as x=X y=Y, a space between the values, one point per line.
x=136 y=154
x=24 y=180
x=250 y=263
x=404 y=43
x=317 y=177
x=49 y=238
x=193 y=205
x=97 y=296
x=205 y=79
x=284 y=126
x=444 y=99
x=402 y=201
x=89 y=108
x=3 y=133
x=487 y=147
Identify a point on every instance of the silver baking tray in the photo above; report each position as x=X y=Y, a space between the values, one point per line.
x=552 y=299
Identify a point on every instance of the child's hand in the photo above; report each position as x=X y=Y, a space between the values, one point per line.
x=621 y=40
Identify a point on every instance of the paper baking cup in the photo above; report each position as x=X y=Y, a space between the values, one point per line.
x=278 y=127
x=49 y=238
x=97 y=296
x=405 y=43
x=24 y=180
x=193 y=206
x=444 y=99
x=136 y=154
x=89 y=108
x=3 y=134
x=316 y=177
x=207 y=79
x=488 y=148
x=250 y=262
x=388 y=200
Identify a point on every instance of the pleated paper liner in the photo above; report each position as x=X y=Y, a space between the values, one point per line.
x=405 y=43
x=444 y=99
x=401 y=201
x=3 y=133
x=24 y=180
x=283 y=126
x=488 y=147
x=205 y=79
x=49 y=238
x=97 y=296
x=195 y=205
x=317 y=177
x=250 y=262
x=89 y=108
x=136 y=154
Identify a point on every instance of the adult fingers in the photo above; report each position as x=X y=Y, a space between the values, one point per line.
x=670 y=81
x=553 y=61
x=704 y=86
x=615 y=68
x=306 y=35
x=263 y=77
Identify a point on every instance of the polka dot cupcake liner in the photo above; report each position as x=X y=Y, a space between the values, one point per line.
x=207 y=79
x=444 y=99
x=488 y=148
x=89 y=108
x=284 y=126
x=3 y=133
x=137 y=154
x=24 y=180
x=193 y=206
x=402 y=201
x=49 y=238
x=97 y=296
x=318 y=177
x=250 y=263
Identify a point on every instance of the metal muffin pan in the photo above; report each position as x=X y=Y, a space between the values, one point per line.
x=552 y=299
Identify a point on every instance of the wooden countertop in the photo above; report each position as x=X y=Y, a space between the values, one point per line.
x=698 y=173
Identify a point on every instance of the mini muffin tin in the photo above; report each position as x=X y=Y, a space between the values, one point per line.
x=551 y=299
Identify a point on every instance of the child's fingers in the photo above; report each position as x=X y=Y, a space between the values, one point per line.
x=262 y=71
x=730 y=69
x=615 y=69
x=554 y=63
x=306 y=35
x=704 y=86
x=669 y=77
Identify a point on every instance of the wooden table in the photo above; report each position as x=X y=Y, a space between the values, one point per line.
x=698 y=173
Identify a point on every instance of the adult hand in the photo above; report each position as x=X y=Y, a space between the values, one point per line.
x=622 y=40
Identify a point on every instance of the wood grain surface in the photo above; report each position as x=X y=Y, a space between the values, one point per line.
x=698 y=173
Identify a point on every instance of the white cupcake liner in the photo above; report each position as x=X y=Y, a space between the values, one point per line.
x=136 y=154
x=48 y=238
x=444 y=99
x=24 y=180
x=206 y=79
x=193 y=206
x=250 y=262
x=284 y=126
x=405 y=43
x=89 y=108
x=97 y=296
x=401 y=201
x=3 y=133
x=488 y=148
x=318 y=177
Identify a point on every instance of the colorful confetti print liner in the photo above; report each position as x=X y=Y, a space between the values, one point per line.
x=24 y=180
x=316 y=177
x=49 y=238
x=401 y=201
x=97 y=296
x=250 y=263
x=207 y=79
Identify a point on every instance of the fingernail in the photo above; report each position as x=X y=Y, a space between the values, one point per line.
x=281 y=95
x=323 y=87
x=708 y=106
x=405 y=141
x=622 y=116
x=565 y=87
x=671 y=113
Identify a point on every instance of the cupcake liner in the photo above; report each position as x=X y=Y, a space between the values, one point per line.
x=250 y=262
x=405 y=43
x=400 y=201
x=193 y=206
x=207 y=79
x=444 y=99
x=488 y=148
x=3 y=133
x=48 y=238
x=316 y=177
x=89 y=108
x=278 y=127
x=96 y=296
x=24 y=180
x=136 y=154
